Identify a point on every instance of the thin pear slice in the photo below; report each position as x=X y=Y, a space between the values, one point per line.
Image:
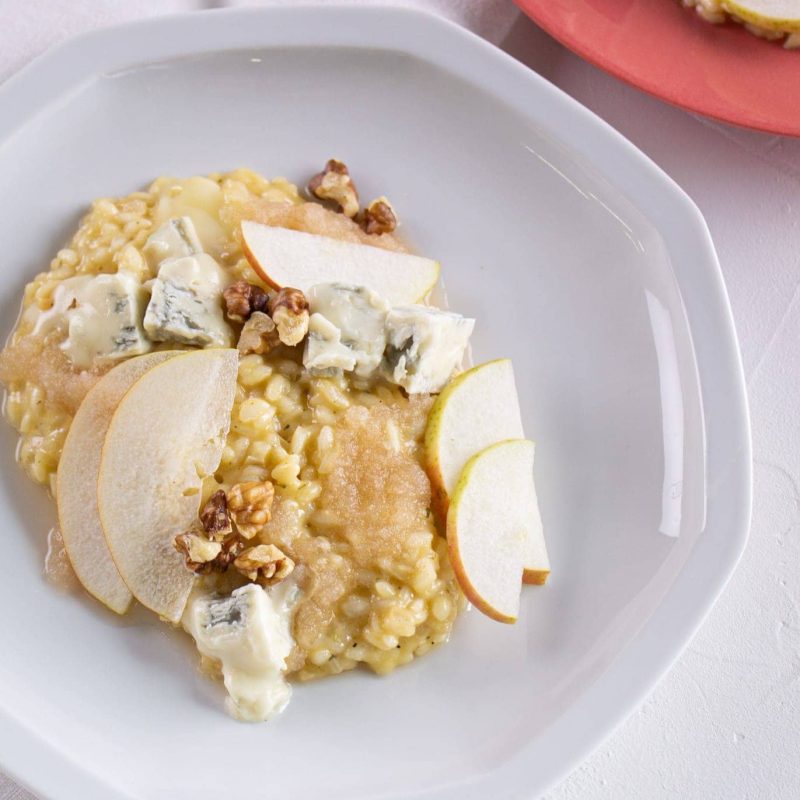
x=166 y=434
x=774 y=15
x=76 y=483
x=487 y=526
x=476 y=409
x=283 y=257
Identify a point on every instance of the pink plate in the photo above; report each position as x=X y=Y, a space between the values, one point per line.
x=721 y=71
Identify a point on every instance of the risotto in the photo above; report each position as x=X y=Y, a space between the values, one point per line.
x=255 y=423
x=353 y=505
x=352 y=502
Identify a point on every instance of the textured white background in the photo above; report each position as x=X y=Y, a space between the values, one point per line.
x=725 y=723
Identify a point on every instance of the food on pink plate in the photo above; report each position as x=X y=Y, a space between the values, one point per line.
x=777 y=20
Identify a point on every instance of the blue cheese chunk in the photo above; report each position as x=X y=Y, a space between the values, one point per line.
x=346 y=329
x=424 y=346
x=186 y=303
x=249 y=634
x=325 y=353
x=176 y=238
x=101 y=316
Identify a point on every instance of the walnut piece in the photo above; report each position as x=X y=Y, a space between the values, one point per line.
x=203 y=556
x=335 y=184
x=289 y=311
x=265 y=564
x=215 y=518
x=242 y=299
x=198 y=551
x=250 y=504
x=379 y=217
x=231 y=548
x=259 y=334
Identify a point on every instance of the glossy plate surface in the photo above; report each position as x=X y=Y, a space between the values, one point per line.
x=579 y=258
x=721 y=71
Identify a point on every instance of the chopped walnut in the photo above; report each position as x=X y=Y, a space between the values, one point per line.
x=379 y=217
x=259 y=334
x=264 y=563
x=215 y=518
x=198 y=551
x=250 y=504
x=289 y=311
x=242 y=299
x=203 y=556
x=231 y=548
x=334 y=183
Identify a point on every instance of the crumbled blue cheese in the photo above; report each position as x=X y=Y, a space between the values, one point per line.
x=324 y=351
x=424 y=346
x=186 y=303
x=353 y=329
x=101 y=316
x=249 y=634
x=348 y=332
x=176 y=238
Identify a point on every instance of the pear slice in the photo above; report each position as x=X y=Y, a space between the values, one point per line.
x=76 y=483
x=167 y=433
x=283 y=257
x=476 y=409
x=774 y=15
x=488 y=525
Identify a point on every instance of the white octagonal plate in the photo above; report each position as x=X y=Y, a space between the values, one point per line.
x=579 y=258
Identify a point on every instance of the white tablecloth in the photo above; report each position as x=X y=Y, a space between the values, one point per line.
x=723 y=724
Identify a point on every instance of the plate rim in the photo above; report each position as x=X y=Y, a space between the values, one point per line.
x=577 y=45
x=34 y=760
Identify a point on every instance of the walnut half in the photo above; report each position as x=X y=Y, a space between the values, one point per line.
x=335 y=184
x=250 y=505
x=264 y=563
x=289 y=311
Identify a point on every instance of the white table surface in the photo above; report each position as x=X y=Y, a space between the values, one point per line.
x=724 y=723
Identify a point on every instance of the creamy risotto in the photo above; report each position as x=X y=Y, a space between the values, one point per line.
x=352 y=502
x=255 y=423
x=353 y=506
